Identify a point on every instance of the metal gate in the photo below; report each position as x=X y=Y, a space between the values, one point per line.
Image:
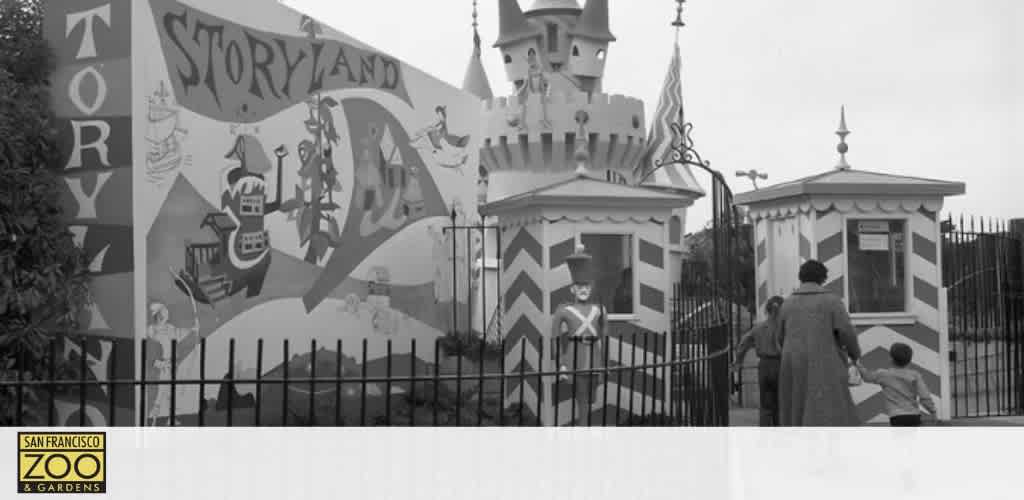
x=712 y=303
x=983 y=272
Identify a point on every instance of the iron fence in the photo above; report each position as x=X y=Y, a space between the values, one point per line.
x=465 y=385
x=983 y=272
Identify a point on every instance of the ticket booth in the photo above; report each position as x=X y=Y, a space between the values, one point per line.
x=625 y=229
x=879 y=236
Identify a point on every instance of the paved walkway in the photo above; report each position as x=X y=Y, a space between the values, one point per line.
x=747 y=417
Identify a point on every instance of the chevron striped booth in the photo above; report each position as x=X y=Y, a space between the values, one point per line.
x=879 y=236
x=540 y=228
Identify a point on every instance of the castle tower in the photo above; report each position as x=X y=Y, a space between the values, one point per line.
x=560 y=156
x=590 y=38
x=518 y=40
x=530 y=138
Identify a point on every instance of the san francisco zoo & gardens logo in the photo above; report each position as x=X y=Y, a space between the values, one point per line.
x=62 y=462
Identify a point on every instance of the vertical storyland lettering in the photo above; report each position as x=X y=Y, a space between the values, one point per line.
x=230 y=72
x=87 y=90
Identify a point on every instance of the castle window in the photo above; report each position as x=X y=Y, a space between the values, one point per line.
x=508 y=59
x=531 y=53
x=253 y=242
x=600 y=54
x=552 y=37
x=576 y=50
x=251 y=205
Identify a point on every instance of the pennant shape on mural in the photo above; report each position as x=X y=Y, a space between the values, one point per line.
x=233 y=73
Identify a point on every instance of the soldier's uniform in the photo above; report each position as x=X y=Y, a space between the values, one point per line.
x=579 y=328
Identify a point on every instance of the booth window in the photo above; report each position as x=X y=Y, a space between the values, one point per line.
x=876 y=265
x=675 y=230
x=613 y=270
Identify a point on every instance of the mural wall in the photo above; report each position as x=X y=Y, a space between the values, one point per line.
x=270 y=178
x=297 y=185
x=92 y=105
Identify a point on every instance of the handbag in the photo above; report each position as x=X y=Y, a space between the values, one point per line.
x=853 y=377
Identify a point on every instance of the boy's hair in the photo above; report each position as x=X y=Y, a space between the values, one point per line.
x=773 y=304
x=901 y=354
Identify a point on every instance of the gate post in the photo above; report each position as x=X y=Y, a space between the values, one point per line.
x=1017 y=231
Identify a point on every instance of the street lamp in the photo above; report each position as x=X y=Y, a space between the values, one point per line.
x=753 y=175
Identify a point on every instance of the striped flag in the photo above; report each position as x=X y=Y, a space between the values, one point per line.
x=660 y=139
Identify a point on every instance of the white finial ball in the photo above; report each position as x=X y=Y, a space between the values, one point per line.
x=580 y=249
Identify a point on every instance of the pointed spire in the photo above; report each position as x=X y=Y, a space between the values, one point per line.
x=513 y=24
x=476 y=32
x=593 y=22
x=476 y=81
x=843 y=148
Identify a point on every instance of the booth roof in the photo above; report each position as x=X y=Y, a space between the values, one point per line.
x=851 y=182
x=584 y=191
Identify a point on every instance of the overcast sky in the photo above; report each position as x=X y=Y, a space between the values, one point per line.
x=932 y=88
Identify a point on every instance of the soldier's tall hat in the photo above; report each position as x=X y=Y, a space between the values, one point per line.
x=580 y=266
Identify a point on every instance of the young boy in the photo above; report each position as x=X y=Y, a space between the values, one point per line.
x=904 y=388
x=764 y=340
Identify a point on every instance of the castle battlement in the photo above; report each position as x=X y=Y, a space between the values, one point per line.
x=616 y=132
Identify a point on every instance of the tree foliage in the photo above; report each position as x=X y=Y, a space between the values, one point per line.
x=738 y=262
x=43 y=274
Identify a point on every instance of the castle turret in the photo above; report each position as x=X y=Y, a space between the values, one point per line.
x=590 y=38
x=518 y=39
x=533 y=138
x=476 y=81
x=555 y=18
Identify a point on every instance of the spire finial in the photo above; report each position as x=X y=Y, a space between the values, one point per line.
x=678 y=23
x=476 y=33
x=843 y=148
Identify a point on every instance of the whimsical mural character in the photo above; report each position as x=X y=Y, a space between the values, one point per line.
x=536 y=83
x=579 y=327
x=412 y=197
x=441 y=253
x=163 y=134
x=438 y=133
x=450 y=269
x=449 y=151
x=241 y=256
x=164 y=333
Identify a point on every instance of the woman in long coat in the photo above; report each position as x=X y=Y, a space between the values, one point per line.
x=818 y=344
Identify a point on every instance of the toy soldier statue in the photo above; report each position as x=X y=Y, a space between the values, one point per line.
x=579 y=327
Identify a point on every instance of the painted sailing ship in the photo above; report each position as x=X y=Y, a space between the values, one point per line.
x=239 y=258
